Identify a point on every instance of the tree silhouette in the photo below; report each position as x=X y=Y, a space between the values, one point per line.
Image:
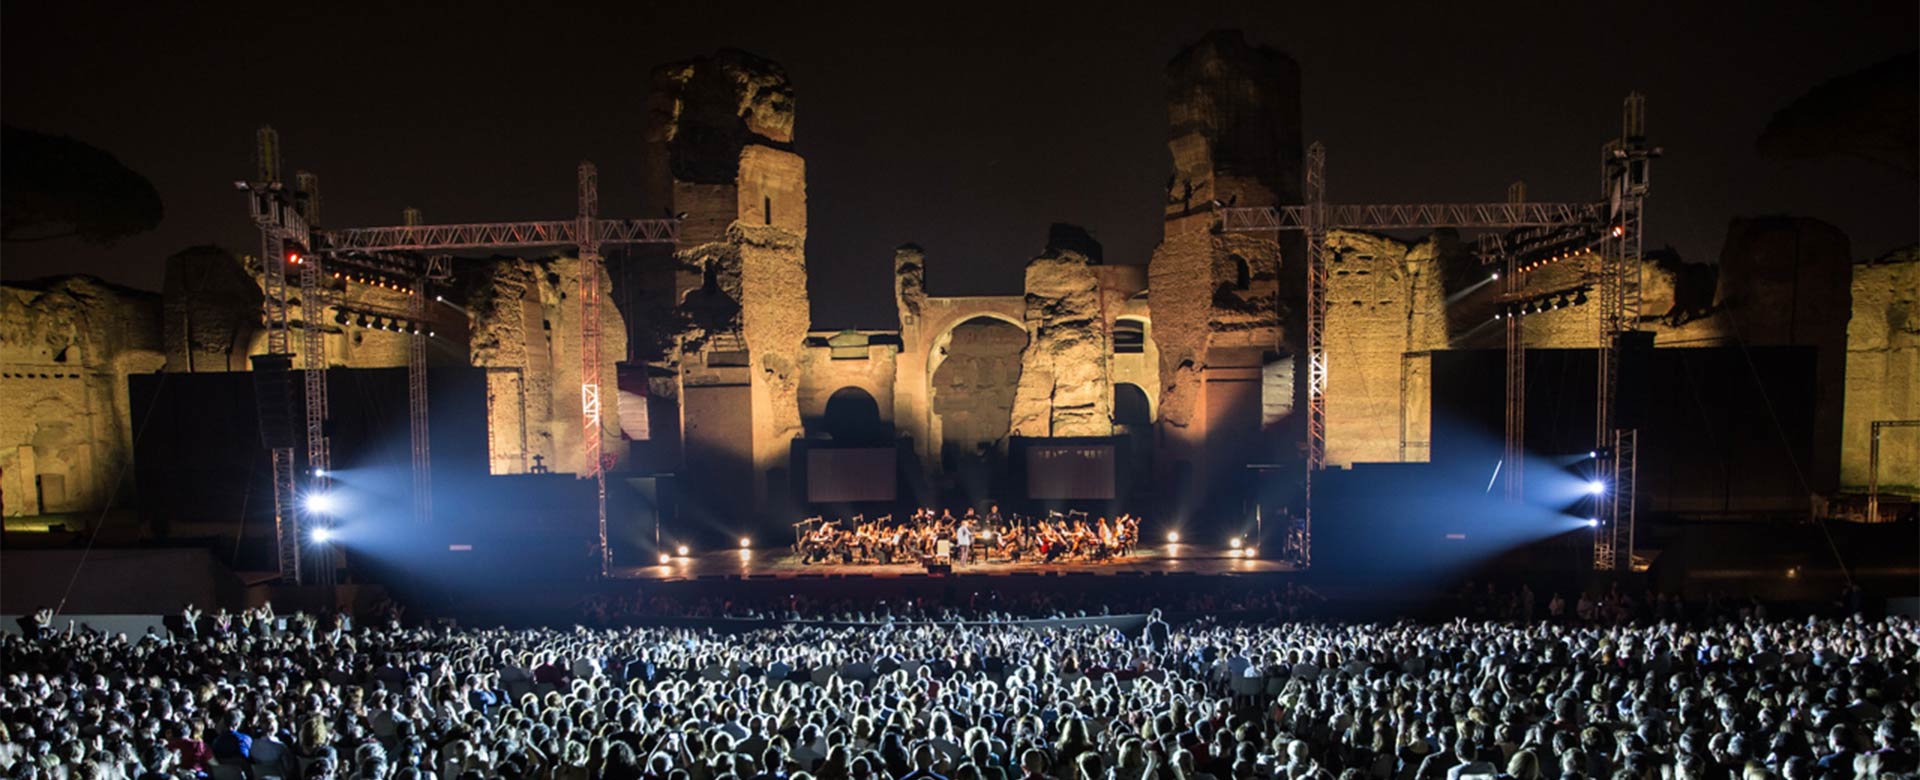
x=56 y=187
x=1872 y=113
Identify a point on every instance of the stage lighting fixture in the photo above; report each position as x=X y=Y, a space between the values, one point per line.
x=320 y=503
x=1173 y=537
x=340 y=317
x=1593 y=453
x=1234 y=543
x=1593 y=522
x=1580 y=298
x=1596 y=487
x=1496 y=277
x=362 y=322
x=745 y=542
x=322 y=535
x=682 y=550
x=320 y=472
x=665 y=559
x=1496 y=315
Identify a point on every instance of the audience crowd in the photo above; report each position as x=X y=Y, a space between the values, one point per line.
x=256 y=696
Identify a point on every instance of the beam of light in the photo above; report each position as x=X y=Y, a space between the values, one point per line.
x=322 y=535
x=1471 y=289
x=1462 y=338
x=1496 y=474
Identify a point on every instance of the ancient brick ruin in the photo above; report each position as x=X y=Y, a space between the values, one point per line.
x=1190 y=353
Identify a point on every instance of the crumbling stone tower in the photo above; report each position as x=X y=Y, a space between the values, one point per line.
x=1220 y=311
x=720 y=153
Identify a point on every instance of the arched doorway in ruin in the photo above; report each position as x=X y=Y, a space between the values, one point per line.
x=975 y=372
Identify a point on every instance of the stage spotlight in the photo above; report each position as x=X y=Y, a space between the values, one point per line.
x=682 y=550
x=320 y=503
x=322 y=535
x=362 y=322
x=320 y=472
x=340 y=317
x=1580 y=298
x=665 y=559
x=1496 y=277
x=1173 y=537
x=1593 y=453
x=1234 y=543
x=1593 y=522
x=745 y=542
x=1596 y=487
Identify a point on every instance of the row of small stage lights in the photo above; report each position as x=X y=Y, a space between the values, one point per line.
x=375 y=281
x=1574 y=296
x=370 y=280
x=1569 y=248
x=381 y=322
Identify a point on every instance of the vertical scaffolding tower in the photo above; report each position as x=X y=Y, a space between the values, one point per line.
x=1624 y=168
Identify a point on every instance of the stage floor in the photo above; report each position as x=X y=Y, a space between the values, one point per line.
x=782 y=563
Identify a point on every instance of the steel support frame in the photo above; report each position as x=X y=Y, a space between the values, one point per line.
x=417 y=408
x=1617 y=268
x=1515 y=453
x=503 y=235
x=275 y=216
x=591 y=424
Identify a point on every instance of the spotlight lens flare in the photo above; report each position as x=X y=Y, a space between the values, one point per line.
x=322 y=535
x=745 y=542
x=1173 y=537
x=1234 y=543
x=682 y=550
x=1596 y=488
x=665 y=559
x=321 y=503
x=1593 y=522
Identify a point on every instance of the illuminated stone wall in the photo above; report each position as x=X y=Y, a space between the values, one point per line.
x=1883 y=373
x=525 y=321
x=67 y=346
x=719 y=148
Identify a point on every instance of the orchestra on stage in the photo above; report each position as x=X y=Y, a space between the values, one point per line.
x=940 y=538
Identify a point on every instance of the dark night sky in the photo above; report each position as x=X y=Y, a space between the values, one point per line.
x=966 y=129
